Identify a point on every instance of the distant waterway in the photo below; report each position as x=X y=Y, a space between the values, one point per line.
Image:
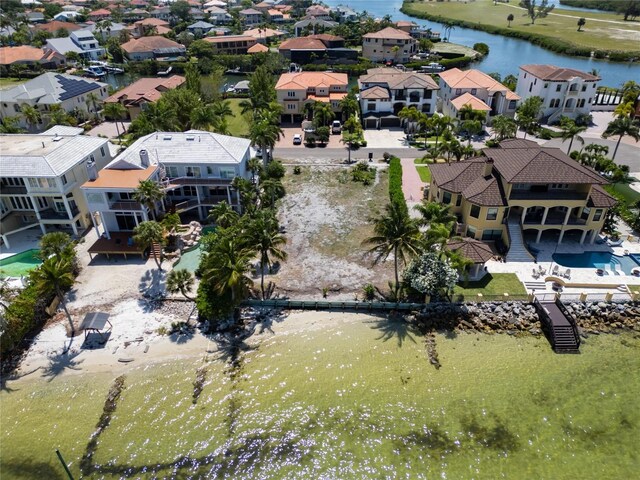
x=505 y=53
x=339 y=396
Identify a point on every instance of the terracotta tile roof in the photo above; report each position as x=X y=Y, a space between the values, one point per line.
x=250 y=11
x=258 y=48
x=229 y=38
x=302 y=43
x=153 y=22
x=24 y=53
x=310 y=79
x=395 y=79
x=468 y=99
x=54 y=25
x=149 y=89
x=102 y=12
x=558 y=74
x=273 y=12
x=475 y=250
x=599 y=198
x=375 y=93
x=326 y=99
x=112 y=178
x=263 y=33
x=404 y=23
x=486 y=191
x=456 y=78
x=389 y=32
x=325 y=37
x=147 y=44
x=540 y=165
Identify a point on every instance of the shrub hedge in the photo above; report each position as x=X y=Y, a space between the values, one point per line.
x=395 y=184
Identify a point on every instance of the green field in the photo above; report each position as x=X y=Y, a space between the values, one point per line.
x=238 y=124
x=425 y=174
x=7 y=82
x=624 y=192
x=495 y=284
x=602 y=30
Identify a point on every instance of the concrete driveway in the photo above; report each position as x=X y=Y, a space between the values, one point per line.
x=287 y=140
x=386 y=138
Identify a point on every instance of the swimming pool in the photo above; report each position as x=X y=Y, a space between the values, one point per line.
x=596 y=260
x=190 y=259
x=20 y=264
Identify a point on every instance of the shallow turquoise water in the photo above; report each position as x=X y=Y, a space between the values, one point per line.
x=20 y=264
x=346 y=400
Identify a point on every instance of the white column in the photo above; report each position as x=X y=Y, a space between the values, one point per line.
x=67 y=207
x=104 y=225
x=524 y=214
x=544 y=215
x=593 y=236
x=539 y=235
x=566 y=217
x=229 y=195
x=561 y=236
x=135 y=218
x=5 y=239
x=198 y=194
x=95 y=225
x=145 y=217
x=584 y=234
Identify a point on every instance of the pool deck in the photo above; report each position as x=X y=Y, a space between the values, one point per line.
x=21 y=242
x=582 y=280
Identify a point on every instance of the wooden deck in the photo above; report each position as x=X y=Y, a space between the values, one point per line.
x=118 y=244
x=560 y=325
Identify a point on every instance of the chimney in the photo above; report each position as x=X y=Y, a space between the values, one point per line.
x=92 y=170
x=144 y=158
x=488 y=167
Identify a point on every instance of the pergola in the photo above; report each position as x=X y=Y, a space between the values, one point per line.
x=475 y=250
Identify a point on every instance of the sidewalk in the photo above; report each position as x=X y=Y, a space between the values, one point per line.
x=411 y=184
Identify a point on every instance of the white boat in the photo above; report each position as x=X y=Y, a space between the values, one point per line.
x=94 y=71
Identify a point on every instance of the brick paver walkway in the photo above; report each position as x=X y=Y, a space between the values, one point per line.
x=411 y=183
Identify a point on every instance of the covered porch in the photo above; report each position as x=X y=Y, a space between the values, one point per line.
x=120 y=243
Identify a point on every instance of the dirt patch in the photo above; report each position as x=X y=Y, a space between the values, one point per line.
x=326 y=217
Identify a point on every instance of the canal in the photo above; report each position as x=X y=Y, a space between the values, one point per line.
x=505 y=53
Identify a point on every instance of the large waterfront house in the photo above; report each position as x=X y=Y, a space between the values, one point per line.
x=30 y=57
x=81 y=42
x=231 y=44
x=48 y=89
x=195 y=168
x=294 y=90
x=389 y=45
x=153 y=47
x=136 y=96
x=459 y=88
x=40 y=178
x=521 y=188
x=386 y=91
x=564 y=91
x=323 y=48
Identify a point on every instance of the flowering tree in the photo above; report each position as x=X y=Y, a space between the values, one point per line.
x=430 y=275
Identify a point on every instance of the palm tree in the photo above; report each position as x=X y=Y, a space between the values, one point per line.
x=272 y=190
x=510 y=18
x=31 y=115
x=146 y=234
x=434 y=212
x=265 y=133
x=180 y=280
x=622 y=126
x=349 y=106
x=54 y=276
x=322 y=114
x=412 y=115
x=504 y=127
x=57 y=116
x=115 y=111
x=203 y=117
x=569 y=130
x=265 y=238
x=438 y=235
x=10 y=125
x=229 y=268
x=440 y=124
x=57 y=244
x=93 y=100
x=394 y=233
x=149 y=193
x=581 y=23
x=254 y=165
x=224 y=215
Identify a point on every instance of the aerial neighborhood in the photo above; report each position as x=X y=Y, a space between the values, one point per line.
x=262 y=194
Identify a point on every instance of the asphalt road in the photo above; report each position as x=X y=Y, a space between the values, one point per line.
x=627 y=154
x=339 y=155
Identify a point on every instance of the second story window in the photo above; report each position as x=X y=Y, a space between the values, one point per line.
x=291 y=94
x=492 y=214
x=193 y=172
x=172 y=172
x=475 y=211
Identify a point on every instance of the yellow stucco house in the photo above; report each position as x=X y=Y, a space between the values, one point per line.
x=520 y=192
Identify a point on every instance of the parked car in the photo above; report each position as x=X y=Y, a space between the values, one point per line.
x=297 y=139
x=336 y=127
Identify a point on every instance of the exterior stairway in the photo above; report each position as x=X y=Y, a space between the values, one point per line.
x=517 y=251
x=564 y=339
x=156 y=251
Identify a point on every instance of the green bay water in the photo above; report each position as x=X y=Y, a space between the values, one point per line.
x=349 y=397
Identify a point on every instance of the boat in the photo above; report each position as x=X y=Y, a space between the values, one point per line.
x=165 y=72
x=94 y=71
x=432 y=68
x=233 y=71
x=113 y=70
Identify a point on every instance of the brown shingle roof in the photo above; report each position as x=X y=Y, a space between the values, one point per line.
x=375 y=93
x=475 y=250
x=302 y=43
x=325 y=37
x=455 y=177
x=558 y=74
x=149 y=89
x=54 y=25
x=600 y=199
x=389 y=32
x=540 y=165
x=396 y=79
x=486 y=191
x=148 y=44
x=518 y=143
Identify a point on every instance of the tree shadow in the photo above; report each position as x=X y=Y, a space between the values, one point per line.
x=152 y=284
x=491 y=432
x=29 y=468
x=266 y=319
x=58 y=363
x=12 y=377
x=395 y=327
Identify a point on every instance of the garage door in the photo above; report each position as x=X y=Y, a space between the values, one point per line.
x=370 y=123
x=390 y=122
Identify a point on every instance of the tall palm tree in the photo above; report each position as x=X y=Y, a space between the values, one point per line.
x=349 y=106
x=272 y=190
x=54 y=276
x=440 y=124
x=229 y=268
x=254 y=165
x=57 y=244
x=31 y=115
x=57 y=116
x=115 y=111
x=265 y=238
x=180 y=280
x=438 y=235
x=504 y=127
x=434 y=212
x=146 y=234
x=412 y=115
x=622 y=126
x=149 y=193
x=203 y=117
x=10 y=125
x=93 y=100
x=569 y=131
x=322 y=114
x=224 y=215
x=264 y=132
x=394 y=233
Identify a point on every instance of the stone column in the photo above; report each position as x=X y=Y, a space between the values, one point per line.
x=524 y=214
x=544 y=215
x=566 y=218
x=584 y=234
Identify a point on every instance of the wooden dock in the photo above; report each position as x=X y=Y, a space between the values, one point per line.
x=120 y=243
x=560 y=325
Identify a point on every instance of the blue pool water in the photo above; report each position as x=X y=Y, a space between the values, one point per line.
x=190 y=260
x=596 y=260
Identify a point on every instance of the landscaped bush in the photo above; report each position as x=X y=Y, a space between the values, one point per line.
x=481 y=48
x=363 y=173
x=395 y=184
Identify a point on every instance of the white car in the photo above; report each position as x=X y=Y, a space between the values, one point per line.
x=297 y=139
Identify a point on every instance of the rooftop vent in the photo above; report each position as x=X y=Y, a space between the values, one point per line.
x=167 y=137
x=191 y=138
x=57 y=138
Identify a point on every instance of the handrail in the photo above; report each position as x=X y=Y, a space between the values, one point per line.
x=328 y=305
x=570 y=319
x=544 y=318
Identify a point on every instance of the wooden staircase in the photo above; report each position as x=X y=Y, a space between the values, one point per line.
x=564 y=339
x=560 y=326
x=156 y=251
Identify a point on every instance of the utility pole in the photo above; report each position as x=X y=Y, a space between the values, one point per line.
x=64 y=464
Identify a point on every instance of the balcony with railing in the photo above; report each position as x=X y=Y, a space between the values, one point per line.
x=547 y=195
x=207 y=181
x=52 y=214
x=125 y=205
x=553 y=218
x=13 y=190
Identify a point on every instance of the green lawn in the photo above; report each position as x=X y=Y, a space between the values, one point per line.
x=7 y=82
x=425 y=174
x=238 y=124
x=623 y=192
x=602 y=30
x=491 y=285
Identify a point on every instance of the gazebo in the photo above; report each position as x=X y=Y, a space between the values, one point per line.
x=475 y=250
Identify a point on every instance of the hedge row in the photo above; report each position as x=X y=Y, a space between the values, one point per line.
x=395 y=184
x=550 y=43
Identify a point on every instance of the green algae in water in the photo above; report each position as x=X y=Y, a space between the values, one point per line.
x=355 y=400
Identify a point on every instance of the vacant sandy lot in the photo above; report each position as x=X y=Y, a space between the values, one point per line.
x=326 y=217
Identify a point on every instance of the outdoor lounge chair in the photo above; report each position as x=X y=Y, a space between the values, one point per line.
x=555 y=270
x=618 y=269
x=607 y=269
x=567 y=273
x=535 y=273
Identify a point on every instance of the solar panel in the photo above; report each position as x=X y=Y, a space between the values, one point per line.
x=72 y=87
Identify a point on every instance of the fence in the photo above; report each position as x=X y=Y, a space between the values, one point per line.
x=584 y=297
